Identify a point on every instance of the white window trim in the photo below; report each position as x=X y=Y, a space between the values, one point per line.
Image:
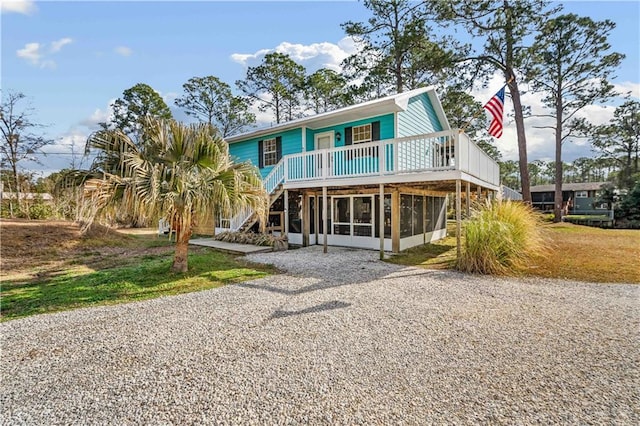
x=265 y=152
x=582 y=194
x=353 y=134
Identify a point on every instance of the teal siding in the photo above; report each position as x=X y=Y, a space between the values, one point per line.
x=419 y=118
x=248 y=150
x=310 y=141
x=292 y=141
x=386 y=129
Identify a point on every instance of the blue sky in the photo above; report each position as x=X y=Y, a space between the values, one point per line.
x=73 y=58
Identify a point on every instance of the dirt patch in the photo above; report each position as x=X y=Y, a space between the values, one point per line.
x=31 y=247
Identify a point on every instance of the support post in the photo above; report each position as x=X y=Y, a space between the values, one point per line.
x=479 y=194
x=305 y=220
x=468 y=203
x=381 y=224
x=316 y=217
x=324 y=217
x=285 y=231
x=395 y=221
x=458 y=217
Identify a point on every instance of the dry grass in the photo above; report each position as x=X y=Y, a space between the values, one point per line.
x=31 y=248
x=48 y=266
x=500 y=238
x=573 y=252
x=590 y=254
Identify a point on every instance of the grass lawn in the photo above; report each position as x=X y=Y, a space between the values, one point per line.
x=590 y=254
x=51 y=267
x=575 y=252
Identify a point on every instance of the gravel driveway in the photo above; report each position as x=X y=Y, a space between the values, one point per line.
x=340 y=339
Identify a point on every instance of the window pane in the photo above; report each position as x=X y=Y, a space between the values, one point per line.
x=362 y=210
x=361 y=134
x=418 y=224
x=270 y=152
x=405 y=215
x=341 y=211
x=387 y=216
x=342 y=229
x=362 y=230
x=295 y=213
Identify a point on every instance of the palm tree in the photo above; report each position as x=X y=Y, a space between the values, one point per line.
x=182 y=173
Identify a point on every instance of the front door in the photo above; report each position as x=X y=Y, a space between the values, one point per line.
x=323 y=141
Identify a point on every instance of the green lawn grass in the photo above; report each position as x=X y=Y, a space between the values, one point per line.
x=439 y=255
x=139 y=278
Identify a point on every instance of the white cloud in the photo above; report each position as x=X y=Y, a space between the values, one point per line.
x=99 y=116
x=57 y=45
x=123 y=51
x=628 y=87
x=312 y=56
x=26 y=7
x=34 y=53
x=30 y=52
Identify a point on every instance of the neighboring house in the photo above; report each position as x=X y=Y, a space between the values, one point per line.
x=577 y=198
x=333 y=167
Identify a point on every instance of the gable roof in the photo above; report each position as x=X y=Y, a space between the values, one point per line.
x=386 y=105
x=580 y=186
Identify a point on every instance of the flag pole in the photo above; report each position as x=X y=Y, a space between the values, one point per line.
x=481 y=110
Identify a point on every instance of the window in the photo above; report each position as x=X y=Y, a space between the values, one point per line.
x=341 y=216
x=362 y=218
x=270 y=152
x=582 y=194
x=362 y=134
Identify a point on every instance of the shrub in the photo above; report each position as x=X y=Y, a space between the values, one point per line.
x=39 y=210
x=278 y=243
x=501 y=237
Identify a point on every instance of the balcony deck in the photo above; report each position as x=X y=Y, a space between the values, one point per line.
x=442 y=156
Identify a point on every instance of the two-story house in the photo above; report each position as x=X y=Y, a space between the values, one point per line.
x=372 y=175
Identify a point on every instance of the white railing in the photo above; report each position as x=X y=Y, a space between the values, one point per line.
x=275 y=177
x=447 y=150
x=510 y=194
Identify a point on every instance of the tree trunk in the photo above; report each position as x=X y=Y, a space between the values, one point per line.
x=180 y=259
x=522 y=138
x=557 y=202
x=14 y=170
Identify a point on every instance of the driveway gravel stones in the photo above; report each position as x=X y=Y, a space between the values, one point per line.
x=340 y=338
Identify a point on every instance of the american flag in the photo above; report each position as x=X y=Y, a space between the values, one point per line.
x=496 y=108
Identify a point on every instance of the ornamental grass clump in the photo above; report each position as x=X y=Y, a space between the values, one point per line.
x=501 y=238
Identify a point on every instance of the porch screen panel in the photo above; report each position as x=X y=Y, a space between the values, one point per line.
x=387 y=216
x=362 y=216
x=418 y=214
x=440 y=213
x=406 y=215
x=431 y=217
x=341 y=216
x=295 y=213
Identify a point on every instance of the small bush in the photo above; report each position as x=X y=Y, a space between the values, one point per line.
x=278 y=243
x=501 y=238
x=40 y=211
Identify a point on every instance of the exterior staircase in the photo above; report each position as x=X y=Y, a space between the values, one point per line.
x=246 y=218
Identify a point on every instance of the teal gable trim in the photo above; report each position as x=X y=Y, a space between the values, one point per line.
x=248 y=150
x=420 y=117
